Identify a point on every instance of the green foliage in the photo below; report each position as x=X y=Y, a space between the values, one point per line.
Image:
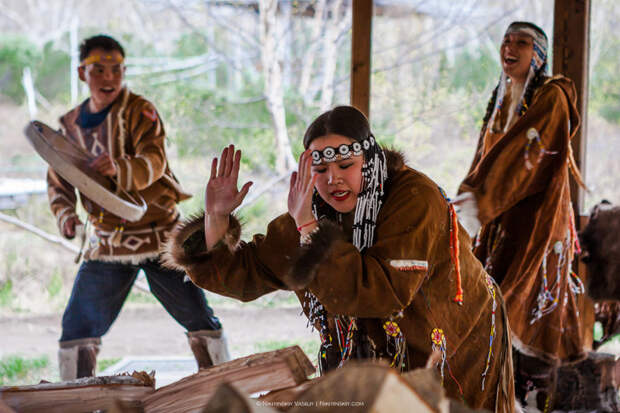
x=10 y=259
x=190 y=44
x=472 y=71
x=141 y=297
x=49 y=66
x=605 y=82
x=310 y=347
x=15 y=368
x=6 y=293
x=15 y=54
x=103 y=364
x=206 y=121
x=598 y=331
x=52 y=73
x=252 y=216
x=54 y=285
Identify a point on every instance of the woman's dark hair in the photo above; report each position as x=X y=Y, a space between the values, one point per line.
x=100 y=41
x=341 y=120
x=539 y=78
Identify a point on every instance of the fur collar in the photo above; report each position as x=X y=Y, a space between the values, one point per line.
x=395 y=161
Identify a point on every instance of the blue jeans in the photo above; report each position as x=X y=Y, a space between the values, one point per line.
x=100 y=289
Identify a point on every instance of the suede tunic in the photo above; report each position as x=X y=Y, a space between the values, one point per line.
x=133 y=135
x=408 y=269
x=527 y=239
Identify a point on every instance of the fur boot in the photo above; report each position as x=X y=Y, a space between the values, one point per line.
x=78 y=358
x=210 y=347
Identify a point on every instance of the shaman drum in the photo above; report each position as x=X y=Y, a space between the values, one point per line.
x=71 y=162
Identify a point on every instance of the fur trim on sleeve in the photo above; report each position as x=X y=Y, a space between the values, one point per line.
x=186 y=242
x=305 y=265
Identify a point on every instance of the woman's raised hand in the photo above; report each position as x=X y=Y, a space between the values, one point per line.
x=300 y=191
x=221 y=195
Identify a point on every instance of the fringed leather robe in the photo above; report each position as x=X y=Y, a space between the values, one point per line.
x=520 y=180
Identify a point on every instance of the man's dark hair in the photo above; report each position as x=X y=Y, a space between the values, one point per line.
x=100 y=41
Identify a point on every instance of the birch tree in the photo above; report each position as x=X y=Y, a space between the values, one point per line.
x=333 y=33
x=308 y=57
x=274 y=93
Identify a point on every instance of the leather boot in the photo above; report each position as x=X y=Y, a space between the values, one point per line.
x=210 y=347
x=78 y=358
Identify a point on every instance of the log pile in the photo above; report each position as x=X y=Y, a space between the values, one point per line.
x=275 y=381
x=357 y=387
x=262 y=372
x=81 y=395
x=278 y=381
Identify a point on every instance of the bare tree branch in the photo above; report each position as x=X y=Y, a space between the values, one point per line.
x=46 y=236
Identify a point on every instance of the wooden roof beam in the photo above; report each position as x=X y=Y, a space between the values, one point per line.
x=360 y=55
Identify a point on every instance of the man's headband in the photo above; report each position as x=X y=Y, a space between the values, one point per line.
x=98 y=58
x=344 y=151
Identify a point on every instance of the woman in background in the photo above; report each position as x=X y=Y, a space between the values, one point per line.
x=516 y=203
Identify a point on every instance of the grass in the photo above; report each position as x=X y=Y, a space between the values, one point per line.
x=55 y=284
x=6 y=293
x=103 y=364
x=16 y=370
x=277 y=299
x=310 y=347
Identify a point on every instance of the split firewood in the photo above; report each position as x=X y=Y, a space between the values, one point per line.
x=4 y=408
x=427 y=383
x=81 y=395
x=228 y=399
x=283 y=399
x=261 y=372
x=364 y=387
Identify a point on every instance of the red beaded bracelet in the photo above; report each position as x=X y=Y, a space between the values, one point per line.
x=299 y=228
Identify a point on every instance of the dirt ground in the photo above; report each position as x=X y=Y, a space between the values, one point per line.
x=150 y=331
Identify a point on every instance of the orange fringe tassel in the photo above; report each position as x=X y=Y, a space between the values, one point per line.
x=454 y=249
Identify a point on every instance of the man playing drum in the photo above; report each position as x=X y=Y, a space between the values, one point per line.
x=125 y=136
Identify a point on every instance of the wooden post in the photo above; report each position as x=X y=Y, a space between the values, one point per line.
x=571 y=46
x=360 y=55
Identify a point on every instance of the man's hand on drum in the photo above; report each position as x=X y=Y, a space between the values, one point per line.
x=68 y=228
x=104 y=165
x=300 y=194
x=221 y=195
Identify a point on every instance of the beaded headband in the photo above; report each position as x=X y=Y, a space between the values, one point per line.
x=344 y=151
x=108 y=58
